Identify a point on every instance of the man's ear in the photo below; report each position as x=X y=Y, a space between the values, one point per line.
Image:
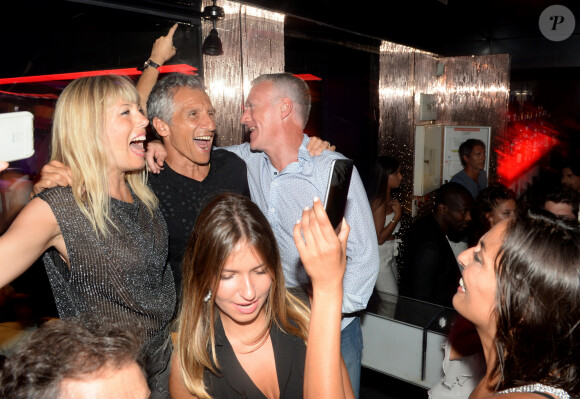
x=442 y=209
x=161 y=127
x=286 y=107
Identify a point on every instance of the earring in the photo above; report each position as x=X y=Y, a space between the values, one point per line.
x=207 y=297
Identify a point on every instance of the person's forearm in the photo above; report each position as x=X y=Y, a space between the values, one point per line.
x=387 y=231
x=144 y=86
x=162 y=51
x=323 y=373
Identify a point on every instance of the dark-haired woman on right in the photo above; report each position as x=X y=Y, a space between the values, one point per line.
x=520 y=287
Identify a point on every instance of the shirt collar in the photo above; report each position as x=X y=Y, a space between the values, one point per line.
x=302 y=151
x=295 y=167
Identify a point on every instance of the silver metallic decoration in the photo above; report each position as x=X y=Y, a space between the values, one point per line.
x=472 y=91
x=253 y=44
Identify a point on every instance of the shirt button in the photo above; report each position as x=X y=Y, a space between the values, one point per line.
x=275 y=173
x=272 y=209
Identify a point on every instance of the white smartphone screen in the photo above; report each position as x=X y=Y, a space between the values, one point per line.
x=16 y=136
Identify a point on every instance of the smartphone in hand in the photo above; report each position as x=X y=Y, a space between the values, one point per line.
x=337 y=190
x=16 y=136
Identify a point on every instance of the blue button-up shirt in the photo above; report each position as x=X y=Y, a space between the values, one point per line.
x=474 y=188
x=283 y=195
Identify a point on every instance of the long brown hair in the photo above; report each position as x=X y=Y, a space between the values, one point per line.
x=538 y=303
x=226 y=221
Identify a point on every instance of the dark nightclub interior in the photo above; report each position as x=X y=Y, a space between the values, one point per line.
x=486 y=63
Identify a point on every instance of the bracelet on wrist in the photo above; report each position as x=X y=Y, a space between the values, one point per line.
x=148 y=64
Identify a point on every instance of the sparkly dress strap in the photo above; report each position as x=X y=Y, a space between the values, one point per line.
x=540 y=389
x=544 y=395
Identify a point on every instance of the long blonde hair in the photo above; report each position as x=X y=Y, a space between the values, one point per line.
x=79 y=141
x=228 y=219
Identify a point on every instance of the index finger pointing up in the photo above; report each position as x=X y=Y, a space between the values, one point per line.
x=172 y=30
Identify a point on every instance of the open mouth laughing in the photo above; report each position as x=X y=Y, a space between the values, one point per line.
x=137 y=145
x=203 y=142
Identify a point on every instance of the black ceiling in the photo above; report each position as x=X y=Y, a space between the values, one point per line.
x=460 y=27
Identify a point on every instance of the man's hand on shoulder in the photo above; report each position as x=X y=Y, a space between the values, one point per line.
x=155 y=156
x=316 y=145
x=53 y=174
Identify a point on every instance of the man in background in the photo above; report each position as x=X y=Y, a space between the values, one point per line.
x=472 y=176
x=562 y=201
x=571 y=173
x=431 y=272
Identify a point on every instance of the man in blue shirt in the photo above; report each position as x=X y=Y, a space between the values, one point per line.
x=472 y=177
x=283 y=179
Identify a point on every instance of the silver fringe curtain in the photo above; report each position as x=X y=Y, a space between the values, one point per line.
x=253 y=43
x=471 y=91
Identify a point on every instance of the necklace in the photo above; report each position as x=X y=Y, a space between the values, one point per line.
x=538 y=388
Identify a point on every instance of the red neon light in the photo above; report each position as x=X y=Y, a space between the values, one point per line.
x=307 y=76
x=523 y=151
x=48 y=96
x=182 y=68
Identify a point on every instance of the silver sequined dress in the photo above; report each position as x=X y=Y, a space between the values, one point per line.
x=123 y=277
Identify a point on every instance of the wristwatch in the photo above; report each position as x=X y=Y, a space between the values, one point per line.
x=148 y=64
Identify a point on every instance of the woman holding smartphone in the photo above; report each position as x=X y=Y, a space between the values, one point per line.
x=241 y=333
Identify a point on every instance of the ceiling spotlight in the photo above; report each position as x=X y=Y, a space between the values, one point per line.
x=212 y=45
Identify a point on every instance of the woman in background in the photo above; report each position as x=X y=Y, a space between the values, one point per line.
x=494 y=204
x=240 y=332
x=387 y=215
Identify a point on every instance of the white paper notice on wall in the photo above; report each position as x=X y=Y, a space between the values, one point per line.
x=16 y=136
x=427 y=107
x=453 y=137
